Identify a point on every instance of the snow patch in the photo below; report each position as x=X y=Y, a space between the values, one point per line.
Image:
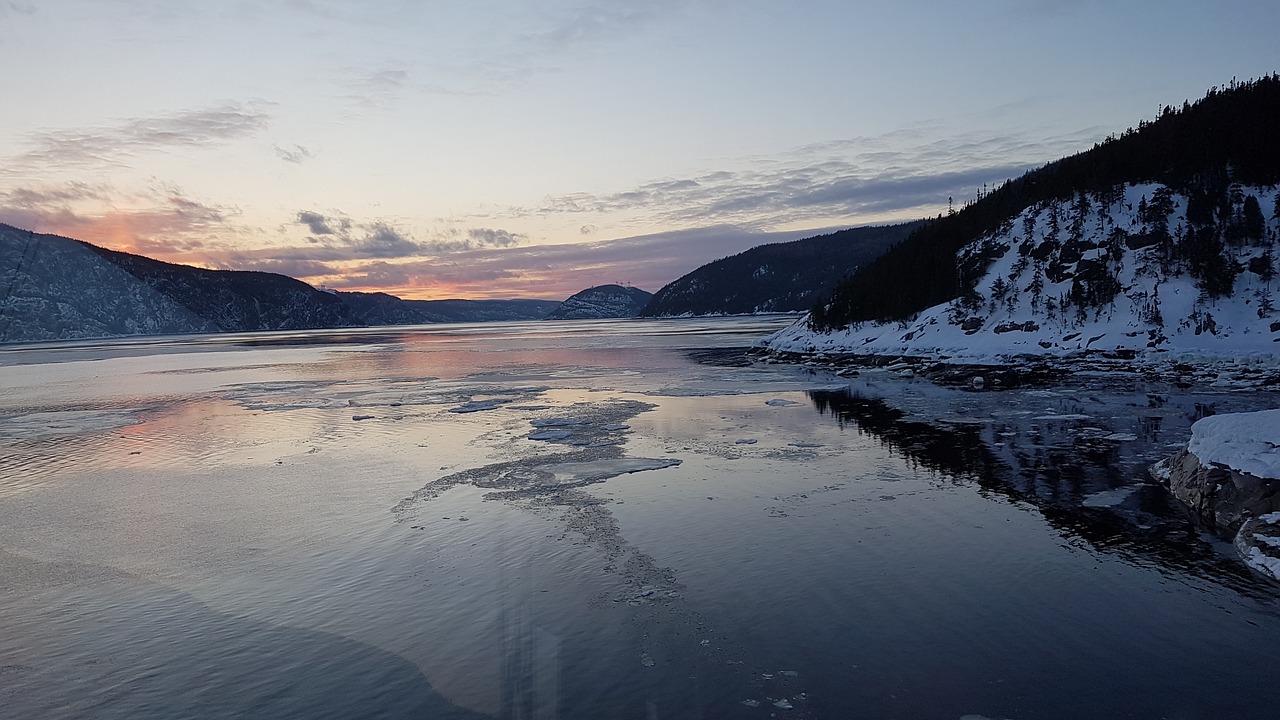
x=1245 y=442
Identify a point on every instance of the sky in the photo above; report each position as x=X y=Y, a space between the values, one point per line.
x=504 y=148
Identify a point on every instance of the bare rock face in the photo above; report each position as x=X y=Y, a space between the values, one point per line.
x=1232 y=504
x=1221 y=497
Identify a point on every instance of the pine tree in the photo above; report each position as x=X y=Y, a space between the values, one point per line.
x=1255 y=225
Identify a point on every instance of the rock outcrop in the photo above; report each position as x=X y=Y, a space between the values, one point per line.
x=1229 y=476
x=1222 y=498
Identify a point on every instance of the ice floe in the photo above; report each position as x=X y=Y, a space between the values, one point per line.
x=1109 y=498
x=550 y=435
x=557 y=422
x=477 y=406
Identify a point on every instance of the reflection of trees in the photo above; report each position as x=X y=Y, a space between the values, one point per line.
x=959 y=451
x=1155 y=530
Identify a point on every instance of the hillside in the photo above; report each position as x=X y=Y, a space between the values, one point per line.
x=1228 y=137
x=779 y=277
x=1161 y=240
x=1140 y=268
x=602 y=301
x=56 y=288
x=384 y=309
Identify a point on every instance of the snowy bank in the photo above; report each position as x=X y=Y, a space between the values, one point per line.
x=1245 y=442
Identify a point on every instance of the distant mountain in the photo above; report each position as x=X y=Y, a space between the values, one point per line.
x=58 y=288
x=384 y=309
x=1164 y=239
x=778 y=277
x=602 y=301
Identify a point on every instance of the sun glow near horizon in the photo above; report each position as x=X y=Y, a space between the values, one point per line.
x=432 y=158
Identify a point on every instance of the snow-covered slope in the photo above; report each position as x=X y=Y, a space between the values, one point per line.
x=602 y=301
x=1128 y=271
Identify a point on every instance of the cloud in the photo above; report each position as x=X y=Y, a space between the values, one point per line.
x=162 y=221
x=295 y=154
x=594 y=22
x=19 y=8
x=335 y=236
x=319 y=224
x=191 y=128
x=377 y=88
x=293 y=268
x=557 y=271
x=383 y=241
x=908 y=173
x=487 y=237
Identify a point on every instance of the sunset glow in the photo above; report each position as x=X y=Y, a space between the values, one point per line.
x=533 y=149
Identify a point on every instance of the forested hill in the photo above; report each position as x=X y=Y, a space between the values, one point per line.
x=602 y=301
x=778 y=277
x=1203 y=152
x=56 y=288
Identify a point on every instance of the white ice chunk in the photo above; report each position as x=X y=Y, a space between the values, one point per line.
x=1263 y=563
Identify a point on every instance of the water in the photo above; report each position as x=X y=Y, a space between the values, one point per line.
x=199 y=527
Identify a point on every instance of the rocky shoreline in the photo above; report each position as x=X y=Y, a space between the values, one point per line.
x=1035 y=370
x=1228 y=502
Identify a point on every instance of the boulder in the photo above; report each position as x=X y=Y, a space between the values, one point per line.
x=1221 y=497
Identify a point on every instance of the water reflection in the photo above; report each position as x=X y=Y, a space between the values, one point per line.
x=957 y=451
x=1058 y=469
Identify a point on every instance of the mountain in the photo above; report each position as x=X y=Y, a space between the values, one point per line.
x=778 y=277
x=1163 y=239
x=384 y=309
x=602 y=301
x=1142 y=268
x=58 y=288
x=1228 y=137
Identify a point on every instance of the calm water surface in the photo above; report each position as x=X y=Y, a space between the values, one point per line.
x=598 y=519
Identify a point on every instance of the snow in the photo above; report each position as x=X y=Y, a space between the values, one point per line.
x=1263 y=563
x=1246 y=442
x=1181 y=334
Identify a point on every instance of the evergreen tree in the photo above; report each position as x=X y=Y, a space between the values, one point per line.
x=1255 y=225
